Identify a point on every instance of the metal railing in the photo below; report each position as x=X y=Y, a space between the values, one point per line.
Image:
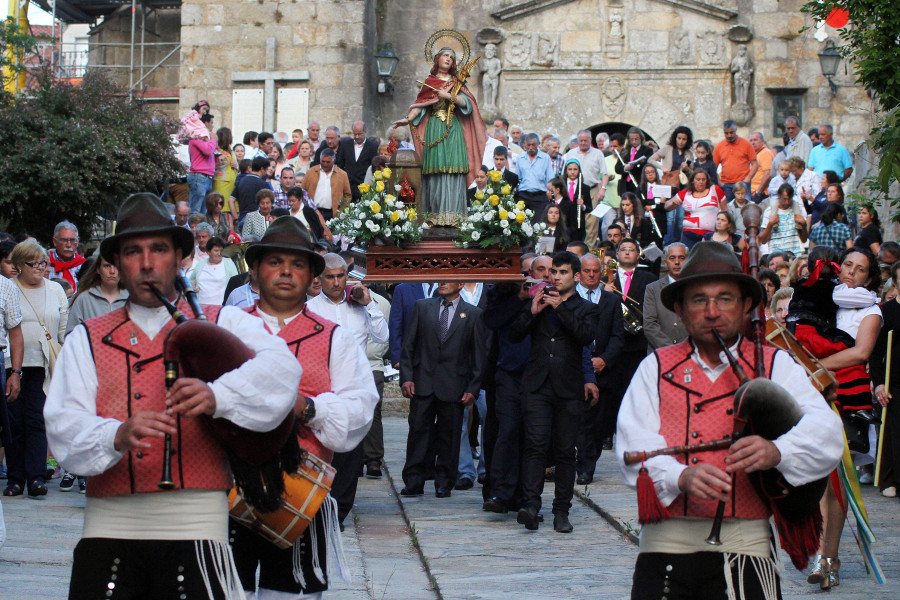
x=70 y=60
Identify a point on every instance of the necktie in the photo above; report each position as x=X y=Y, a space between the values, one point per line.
x=572 y=190
x=444 y=321
x=633 y=152
x=627 y=285
x=590 y=297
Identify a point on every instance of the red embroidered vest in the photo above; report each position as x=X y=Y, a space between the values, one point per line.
x=131 y=379
x=692 y=409
x=309 y=337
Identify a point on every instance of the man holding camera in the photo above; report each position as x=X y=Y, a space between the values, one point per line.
x=561 y=324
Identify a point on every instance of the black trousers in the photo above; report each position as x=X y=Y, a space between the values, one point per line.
x=489 y=429
x=698 y=576
x=626 y=367
x=890 y=451
x=276 y=565
x=591 y=433
x=506 y=461
x=373 y=443
x=550 y=423
x=343 y=488
x=430 y=417
x=139 y=570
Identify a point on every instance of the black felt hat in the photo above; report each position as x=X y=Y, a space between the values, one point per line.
x=287 y=233
x=145 y=213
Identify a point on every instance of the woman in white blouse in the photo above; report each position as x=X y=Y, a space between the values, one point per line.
x=45 y=310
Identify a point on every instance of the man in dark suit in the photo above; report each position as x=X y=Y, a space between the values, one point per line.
x=332 y=140
x=561 y=323
x=355 y=154
x=632 y=282
x=605 y=351
x=662 y=327
x=441 y=367
x=501 y=163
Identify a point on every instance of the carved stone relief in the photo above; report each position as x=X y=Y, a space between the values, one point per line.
x=518 y=49
x=615 y=39
x=681 y=48
x=545 y=49
x=711 y=46
x=614 y=96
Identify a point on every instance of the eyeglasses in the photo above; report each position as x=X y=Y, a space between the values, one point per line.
x=722 y=302
x=67 y=240
x=37 y=265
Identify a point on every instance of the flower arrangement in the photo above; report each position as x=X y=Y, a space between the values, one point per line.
x=496 y=219
x=378 y=215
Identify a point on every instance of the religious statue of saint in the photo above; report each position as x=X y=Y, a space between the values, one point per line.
x=491 y=68
x=742 y=71
x=449 y=136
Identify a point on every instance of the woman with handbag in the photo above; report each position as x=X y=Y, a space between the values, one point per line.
x=44 y=316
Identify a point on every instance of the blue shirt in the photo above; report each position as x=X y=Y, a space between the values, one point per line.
x=836 y=158
x=534 y=175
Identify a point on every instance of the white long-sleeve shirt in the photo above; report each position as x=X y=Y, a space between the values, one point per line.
x=257 y=395
x=809 y=451
x=343 y=415
x=359 y=321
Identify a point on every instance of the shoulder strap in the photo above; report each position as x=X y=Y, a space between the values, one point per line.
x=36 y=313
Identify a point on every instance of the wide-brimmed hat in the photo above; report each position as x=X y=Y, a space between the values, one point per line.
x=287 y=233
x=709 y=262
x=145 y=213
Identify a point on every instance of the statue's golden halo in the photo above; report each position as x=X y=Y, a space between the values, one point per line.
x=445 y=37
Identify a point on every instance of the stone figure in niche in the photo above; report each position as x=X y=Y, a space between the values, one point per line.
x=449 y=141
x=491 y=67
x=742 y=72
x=615 y=24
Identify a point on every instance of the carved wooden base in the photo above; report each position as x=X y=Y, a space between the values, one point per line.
x=440 y=260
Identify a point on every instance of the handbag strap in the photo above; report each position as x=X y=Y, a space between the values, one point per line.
x=36 y=313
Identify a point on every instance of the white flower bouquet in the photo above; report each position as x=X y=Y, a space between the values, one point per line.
x=496 y=219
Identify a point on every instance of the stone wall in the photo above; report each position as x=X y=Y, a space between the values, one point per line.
x=220 y=37
x=650 y=63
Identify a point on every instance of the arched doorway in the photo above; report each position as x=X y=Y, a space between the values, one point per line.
x=611 y=127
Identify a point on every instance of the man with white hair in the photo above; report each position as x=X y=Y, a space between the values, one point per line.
x=799 y=144
x=65 y=262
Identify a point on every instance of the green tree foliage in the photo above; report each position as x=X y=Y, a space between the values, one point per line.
x=14 y=46
x=75 y=152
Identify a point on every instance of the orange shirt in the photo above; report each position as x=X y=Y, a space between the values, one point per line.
x=765 y=158
x=735 y=160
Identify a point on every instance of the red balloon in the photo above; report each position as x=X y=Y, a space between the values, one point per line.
x=838 y=17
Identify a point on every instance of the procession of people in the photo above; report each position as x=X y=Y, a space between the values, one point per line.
x=641 y=332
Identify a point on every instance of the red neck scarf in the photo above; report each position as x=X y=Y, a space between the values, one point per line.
x=63 y=268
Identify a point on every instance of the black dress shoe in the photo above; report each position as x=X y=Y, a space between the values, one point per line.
x=412 y=492
x=442 y=492
x=373 y=470
x=529 y=518
x=482 y=479
x=464 y=483
x=584 y=479
x=495 y=505
x=608 y=443
x=561 y=523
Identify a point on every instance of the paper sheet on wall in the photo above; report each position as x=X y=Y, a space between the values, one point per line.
x=293 y=109
x=246 y=111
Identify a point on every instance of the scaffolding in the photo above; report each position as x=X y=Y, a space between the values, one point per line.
x=70 y=61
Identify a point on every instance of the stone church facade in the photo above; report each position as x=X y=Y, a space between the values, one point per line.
x=564 y=64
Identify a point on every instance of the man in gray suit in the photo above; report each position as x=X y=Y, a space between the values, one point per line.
x=441 y=365
x=662 y=326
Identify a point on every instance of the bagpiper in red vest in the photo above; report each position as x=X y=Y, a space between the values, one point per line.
x=692 y=409
x=309 y=337
x=131 y=379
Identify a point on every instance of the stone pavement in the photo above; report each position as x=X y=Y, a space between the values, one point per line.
x=425 y=548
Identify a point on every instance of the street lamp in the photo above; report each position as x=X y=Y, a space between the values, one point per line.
x=386 y=61
x=829 y=60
